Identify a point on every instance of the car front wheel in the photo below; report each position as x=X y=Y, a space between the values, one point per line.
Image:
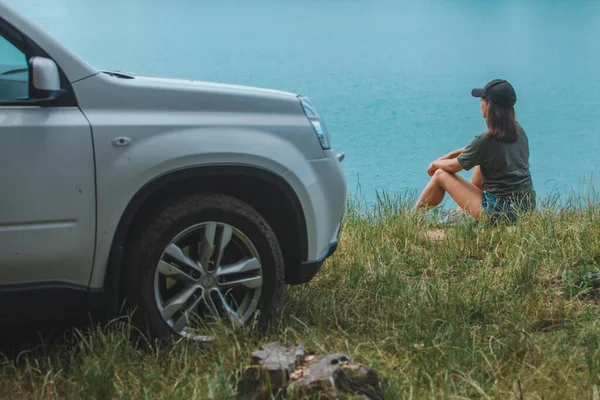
x=203 y=256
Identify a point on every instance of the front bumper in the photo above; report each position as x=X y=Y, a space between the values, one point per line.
x=325 y=206
x=309 y=269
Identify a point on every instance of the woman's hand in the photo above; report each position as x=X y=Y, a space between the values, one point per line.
x=452 y=166
x=432 y=168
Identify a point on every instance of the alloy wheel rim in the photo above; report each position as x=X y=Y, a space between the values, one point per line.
x=211 y=268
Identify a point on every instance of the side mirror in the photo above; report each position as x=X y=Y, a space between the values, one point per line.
x=45 y=76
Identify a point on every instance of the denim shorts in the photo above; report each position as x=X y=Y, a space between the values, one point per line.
x=507 y=208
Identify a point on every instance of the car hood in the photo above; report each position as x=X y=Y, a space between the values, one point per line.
x=167 y=93
x=210 y=86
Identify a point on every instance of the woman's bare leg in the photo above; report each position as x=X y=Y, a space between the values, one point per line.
x=466 y=195
x=432 y=195
x=476 y=180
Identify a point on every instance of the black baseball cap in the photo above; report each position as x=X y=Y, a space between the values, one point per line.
x=498 y=91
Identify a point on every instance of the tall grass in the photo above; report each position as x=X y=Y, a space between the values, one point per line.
x=461 y=311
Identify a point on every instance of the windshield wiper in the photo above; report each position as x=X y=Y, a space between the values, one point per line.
x=118 y=74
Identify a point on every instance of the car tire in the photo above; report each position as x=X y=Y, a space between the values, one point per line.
x=239 y=275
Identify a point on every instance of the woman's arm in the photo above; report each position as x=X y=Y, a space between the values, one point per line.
x=452 y=154
x=451 y=165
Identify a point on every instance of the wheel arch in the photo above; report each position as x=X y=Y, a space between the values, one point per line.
x=214 y=178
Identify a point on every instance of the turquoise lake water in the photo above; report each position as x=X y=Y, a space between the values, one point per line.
x=392 y=79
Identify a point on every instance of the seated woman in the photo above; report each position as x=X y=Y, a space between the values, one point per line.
x=501 y=184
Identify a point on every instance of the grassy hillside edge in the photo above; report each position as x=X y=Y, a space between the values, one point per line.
x=461 y=311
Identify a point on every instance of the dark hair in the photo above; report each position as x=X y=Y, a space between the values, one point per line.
x=501 y=122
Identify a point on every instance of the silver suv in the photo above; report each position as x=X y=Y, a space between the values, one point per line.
x=178 y=199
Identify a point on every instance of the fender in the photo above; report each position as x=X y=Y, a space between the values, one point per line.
x=122 y=172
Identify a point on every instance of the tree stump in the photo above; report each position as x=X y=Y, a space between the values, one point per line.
x=291 y=372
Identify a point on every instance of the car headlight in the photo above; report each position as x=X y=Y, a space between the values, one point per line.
x=315 y=119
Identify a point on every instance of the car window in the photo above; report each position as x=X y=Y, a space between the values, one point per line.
x=14 y=73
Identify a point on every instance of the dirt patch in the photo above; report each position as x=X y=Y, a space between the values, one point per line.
x=435 y=235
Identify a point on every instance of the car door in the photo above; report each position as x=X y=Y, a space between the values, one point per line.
x=47 y=188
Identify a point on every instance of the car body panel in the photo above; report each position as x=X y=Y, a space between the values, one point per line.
x=48 y=206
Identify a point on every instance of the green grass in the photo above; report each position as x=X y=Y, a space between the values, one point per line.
x=471 y=312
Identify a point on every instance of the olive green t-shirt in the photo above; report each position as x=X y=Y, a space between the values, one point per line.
x=504 y=166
